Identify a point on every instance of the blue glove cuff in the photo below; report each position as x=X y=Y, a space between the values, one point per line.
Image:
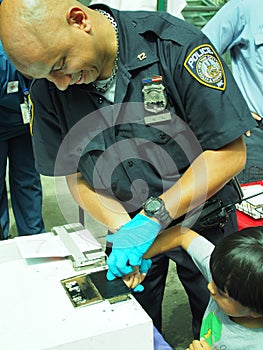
x=136 y=232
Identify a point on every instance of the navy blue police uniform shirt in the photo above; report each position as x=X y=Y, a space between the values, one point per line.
x=116 y=141
x=11 y=96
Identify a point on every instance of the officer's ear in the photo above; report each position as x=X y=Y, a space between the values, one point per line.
x=78 y=18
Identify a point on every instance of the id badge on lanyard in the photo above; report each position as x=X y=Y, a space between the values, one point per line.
x=26 y=107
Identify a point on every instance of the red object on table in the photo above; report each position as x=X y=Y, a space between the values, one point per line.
x=245 y=220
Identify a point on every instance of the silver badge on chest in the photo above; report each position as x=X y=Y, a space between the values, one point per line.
x=155 y=100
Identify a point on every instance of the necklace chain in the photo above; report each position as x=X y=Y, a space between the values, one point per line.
x=109 y=81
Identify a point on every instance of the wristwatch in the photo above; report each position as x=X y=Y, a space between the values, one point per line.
x=154 y=207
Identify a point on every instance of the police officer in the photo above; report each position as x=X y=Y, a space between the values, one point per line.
x=168 y=139
x=16 y=150
x=238 y=28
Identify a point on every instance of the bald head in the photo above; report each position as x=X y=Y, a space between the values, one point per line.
x=27 y=27
x=60 y=40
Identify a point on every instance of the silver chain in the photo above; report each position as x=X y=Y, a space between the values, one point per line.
x=115 y=67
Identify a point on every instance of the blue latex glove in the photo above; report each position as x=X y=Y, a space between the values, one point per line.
x=145 y=265
x=130 y=243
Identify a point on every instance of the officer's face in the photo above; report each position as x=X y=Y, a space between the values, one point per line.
x=68 y=54
x=73 y=60
x=68 y=59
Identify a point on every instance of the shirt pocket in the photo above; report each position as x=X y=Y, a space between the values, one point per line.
x=170 y=147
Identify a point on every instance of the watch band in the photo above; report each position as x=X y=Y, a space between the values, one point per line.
x=161 y=214
x=163 y=217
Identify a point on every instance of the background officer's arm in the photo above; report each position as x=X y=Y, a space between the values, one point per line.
x=107 y=211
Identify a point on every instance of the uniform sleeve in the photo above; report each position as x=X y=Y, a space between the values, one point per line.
x=213 y=106
x=3 y=69
x=225 y=28
x=10 y=92
x=200 y=251
x=57 y=151
x=47 y=134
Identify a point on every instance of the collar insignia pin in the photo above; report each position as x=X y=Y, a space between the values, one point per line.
x=142 y=56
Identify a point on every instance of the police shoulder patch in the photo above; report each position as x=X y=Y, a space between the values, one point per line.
x=205 y=66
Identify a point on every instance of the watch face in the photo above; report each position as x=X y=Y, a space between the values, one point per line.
x=153 y=205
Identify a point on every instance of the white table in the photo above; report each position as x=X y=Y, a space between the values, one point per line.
x=36 y=313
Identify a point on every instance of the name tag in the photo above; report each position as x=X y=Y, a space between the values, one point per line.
x=157 y=118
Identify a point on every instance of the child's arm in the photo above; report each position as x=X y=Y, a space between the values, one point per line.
x=173 y=237
x=176 y=236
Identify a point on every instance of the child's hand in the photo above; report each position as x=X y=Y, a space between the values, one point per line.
x=199 y=345
x=133 y=280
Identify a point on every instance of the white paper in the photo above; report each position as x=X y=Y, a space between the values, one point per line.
x=46 y=245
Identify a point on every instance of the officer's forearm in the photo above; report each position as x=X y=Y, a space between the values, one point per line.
x=107 y=211
x=205 y=177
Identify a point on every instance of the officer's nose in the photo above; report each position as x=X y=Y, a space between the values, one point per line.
x=61 y=81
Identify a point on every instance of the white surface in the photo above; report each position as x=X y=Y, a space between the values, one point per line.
x=37 y=314
x=253 y=206
x=48 y=245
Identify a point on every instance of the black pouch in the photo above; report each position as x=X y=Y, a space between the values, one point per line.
x=215 y=211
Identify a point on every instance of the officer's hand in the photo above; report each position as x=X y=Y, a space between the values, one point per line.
x=129 y=244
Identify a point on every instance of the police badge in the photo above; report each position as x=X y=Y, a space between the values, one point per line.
x=155 y=100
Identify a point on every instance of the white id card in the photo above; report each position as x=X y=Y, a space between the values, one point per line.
x=25 y=112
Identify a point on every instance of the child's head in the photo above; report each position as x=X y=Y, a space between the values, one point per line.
x=237 y=267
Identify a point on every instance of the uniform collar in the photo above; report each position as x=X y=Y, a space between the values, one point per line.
x=135 y=26
x=139 y=55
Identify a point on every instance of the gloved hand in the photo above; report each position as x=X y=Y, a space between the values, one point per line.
x=129 y=244
x=136 y=277
x=145 y=265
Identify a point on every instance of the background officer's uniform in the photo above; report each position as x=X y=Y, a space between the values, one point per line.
x=238 y=28
x=16 y=146
x=135 y=159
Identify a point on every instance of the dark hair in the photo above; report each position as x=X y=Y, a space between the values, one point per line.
x=237 y=267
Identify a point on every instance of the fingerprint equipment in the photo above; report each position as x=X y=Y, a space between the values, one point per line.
x=92 y=288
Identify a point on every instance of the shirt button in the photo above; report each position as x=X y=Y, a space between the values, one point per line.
x=79 y=150
x=100 y=100
x=130 y=163
x=134 y=24
x=162 y=136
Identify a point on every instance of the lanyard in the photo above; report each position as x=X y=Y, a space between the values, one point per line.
x=26 y=106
